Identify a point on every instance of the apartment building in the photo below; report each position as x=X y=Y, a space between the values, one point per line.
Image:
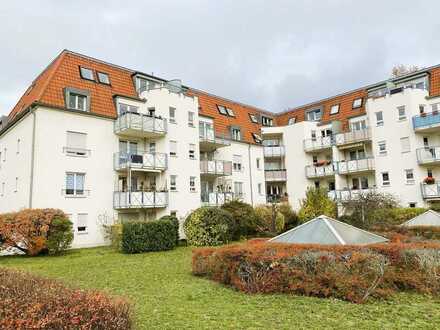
x=383 y=137
x=105 y=143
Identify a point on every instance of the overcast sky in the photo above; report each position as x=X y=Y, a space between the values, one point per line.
x=271 y=54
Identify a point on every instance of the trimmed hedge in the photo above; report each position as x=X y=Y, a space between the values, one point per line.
x=157 y=235
x=175 y=223
x=351 y=273
x=31 y=302
x=408 y=234
x=209 y=226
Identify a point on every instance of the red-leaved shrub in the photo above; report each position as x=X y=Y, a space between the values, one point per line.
x=32 y=302
x=352 y=273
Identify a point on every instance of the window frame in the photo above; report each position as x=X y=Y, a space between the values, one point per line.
x=192 y=151
x=353 y=106
x=192 y=184
x=99 y=73
x=172 y=119
x=404 y=151
x=400 y=117
x=236 y=129
x=75 y=183
x=291 y=121
x=173 y=153
x=230 y=112
x=223 y=112
x=191 y=118
x=338 y=105
x=69 y=91
x=384 y=151
x=81 y=68
x=85 y=231
x=381 y=122
x=253 y=118
x=314 y=111
x=409 y=181
x=173 y=182
x=385 y=183
x=266 y=121
x=257 y=138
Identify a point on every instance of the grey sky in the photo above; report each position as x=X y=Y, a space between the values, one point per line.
x=272 y=54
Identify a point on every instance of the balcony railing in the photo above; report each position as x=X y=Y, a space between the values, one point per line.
x=210 y=141
x=318 y=143
x=348 y=194
x=357 y=165
x=137 y=124
x=140 y=199
x=428 y=155
x=275 y=175
x=215 y=167
x=426 y=121
x=352 y=137
x=141 y=161
x=430 y=191
x=274 y=151
x=217 y=198
x=314 y=171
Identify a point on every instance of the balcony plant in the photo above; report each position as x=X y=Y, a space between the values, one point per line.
x=320 y=163
x=429 y=180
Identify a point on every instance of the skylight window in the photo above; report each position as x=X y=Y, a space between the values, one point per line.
x=257 y=138
x=357 y=103
x=230 y=112
x=334 y=109
x=222 y=110
x=253 y=118
x=87 y=73
x=103 y=78
x=291 y=121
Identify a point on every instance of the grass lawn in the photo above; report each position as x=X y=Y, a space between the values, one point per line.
x=167 y=296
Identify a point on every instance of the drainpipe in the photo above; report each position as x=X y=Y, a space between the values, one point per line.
x=31 y=185
x=250 y=174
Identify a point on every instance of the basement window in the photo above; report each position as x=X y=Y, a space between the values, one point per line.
x=86 y=73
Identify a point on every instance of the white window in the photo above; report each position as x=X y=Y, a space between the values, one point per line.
x=77 y=101
x=385 y=179
x=314 y=115
x=18 y=146
x=334 y=109
x=222 y=110
x=291 y=121
x=260 y=188
x=173 y=148
x=357 y=103
x=192 y=151
x=237 y=163
x=190 y=118
x=379 y=118
x=382 y=145
x=76 y=144
x=173 y=182
x=172 y=115
x=192 y=183
x=16 y=185
x=238 y=189
x=75 y=184
x=258 y=163
x=409 y=176
x=81 y=223
x=405 y=145
x=103 y=78
x=253 y=118
x=257 y=138
x=230 y=112
x=236 y=134
x=402 y=113
x=87 y=73
x=266 y=121
x=152 y=147
x=358 y=125
x=123 y=108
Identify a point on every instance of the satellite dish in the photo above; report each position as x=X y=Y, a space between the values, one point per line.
x=175 y=85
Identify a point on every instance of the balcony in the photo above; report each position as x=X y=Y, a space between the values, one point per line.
x=347 y=194
x=428 y=155
x=318 y=144
x=147 y=161
x=216 y=198
x=430 y=191
x=316 y=171
x=210 y=142
x=354 y=137
x=427 y=122
x=274 y=151
x=356 y=166
x=140 y=199
x=135 y=124
x=275 y=175
x=215 y=168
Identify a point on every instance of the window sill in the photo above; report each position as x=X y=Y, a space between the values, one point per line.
x=77 y=156
x=82 y=232
x=173 y=156
x=173 y=122
x=383 y=154
x=410 y=183
x=173 y=191
x=402 y=120
x=191 y=125
x=73 y=196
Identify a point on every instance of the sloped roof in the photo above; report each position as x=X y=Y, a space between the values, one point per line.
x=429 y=218
x=327 y=231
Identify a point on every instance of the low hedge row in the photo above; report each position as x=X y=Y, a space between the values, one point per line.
x=31 y=302
x=157 y=235
x=408 y=234
x=351 y=273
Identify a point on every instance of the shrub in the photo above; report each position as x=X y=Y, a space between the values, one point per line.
x=60 y=235
x=316 y=203
x=116 y=236
x=352 y=273
x=157 y=235
x=407 y=234
x=31 y=302
x=291 y=219
x=265 y=215
x=245 y=219
x=28 y=230
x=209 y=226
x=175 y=223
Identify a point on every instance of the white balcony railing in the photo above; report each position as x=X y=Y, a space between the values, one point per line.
x=356 y=165
x=140 y=199
x=275 y=175
x=318 y=143
x=217 y=198
x=314 y=171
x=428 y=155
x=141 y=161
x=352 y=137
x=140 y=124
x=274 y=151
x=215 y=167
x=348 y=194
x=430 y=191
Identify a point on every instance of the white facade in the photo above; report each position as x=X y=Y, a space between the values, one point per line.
x=143 y=165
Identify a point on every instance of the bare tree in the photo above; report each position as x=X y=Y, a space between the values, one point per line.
x=402 y=69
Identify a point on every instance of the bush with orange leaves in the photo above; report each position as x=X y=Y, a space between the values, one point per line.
x=32 y=302
x=352 y=273
x=33 y=231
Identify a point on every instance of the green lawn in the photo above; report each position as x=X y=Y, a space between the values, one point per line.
x=167 y=296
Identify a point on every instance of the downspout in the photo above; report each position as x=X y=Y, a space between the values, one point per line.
x=31 y=185
x=250 y=175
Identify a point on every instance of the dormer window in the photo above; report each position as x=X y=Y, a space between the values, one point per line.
x=266 y=121
x=236 y=133
x=124 y=108
x=103 y=78
x=77 y=99
x=86 y=73
x=314 y=115
x=334 y=109
x=253 y=118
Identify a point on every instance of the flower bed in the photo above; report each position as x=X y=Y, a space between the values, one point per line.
x=352 y=273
